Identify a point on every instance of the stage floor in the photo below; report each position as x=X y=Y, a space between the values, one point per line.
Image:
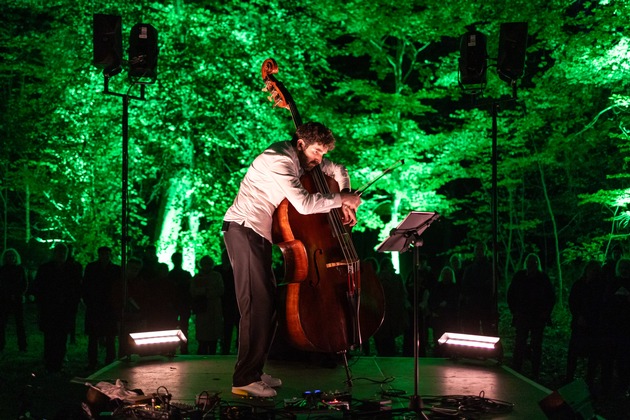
x=375 y=381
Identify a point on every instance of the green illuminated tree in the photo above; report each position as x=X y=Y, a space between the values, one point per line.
x=383 y=75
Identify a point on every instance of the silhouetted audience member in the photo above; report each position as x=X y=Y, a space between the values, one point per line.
x=371 y=267
x=13 y=286
x=162 y=301
x=616 y=329
x=150 y=264
x=207 y=290
x=609 y=269
x=101 y=320
x=131 y=302
x=396 y=309
x=231 y=314
x=585 y=304
x=444 y=304
x=477 y=310
x=54 y=302
x=181 y=279
x=457 y=264
x=531 y=298
x=425 y=281
x=74 y=289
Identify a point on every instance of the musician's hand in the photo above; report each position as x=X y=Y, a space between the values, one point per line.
x=348 y=216
x=351 y=200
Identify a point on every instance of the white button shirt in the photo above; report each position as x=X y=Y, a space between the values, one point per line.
x=273 y=176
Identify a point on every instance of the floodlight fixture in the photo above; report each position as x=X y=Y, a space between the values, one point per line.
x=156 y=342
x=469 y=345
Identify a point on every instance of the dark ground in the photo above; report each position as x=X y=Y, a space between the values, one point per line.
x=26 y=388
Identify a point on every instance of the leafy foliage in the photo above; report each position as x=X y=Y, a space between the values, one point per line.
x=383 y=75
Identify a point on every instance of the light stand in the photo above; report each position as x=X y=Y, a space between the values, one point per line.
x=124 y=192
x=142 y=63
x=408 y=234
x=510 y=67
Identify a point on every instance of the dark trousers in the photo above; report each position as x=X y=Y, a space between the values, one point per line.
x=423 y=336
x=110 y=348
x=584 y=343
x=208 y=347
x=54 y=349
x=385 y=346
x=17 y=310
x=255 y=284
x=535 y=333
x=616 y=360
x=184 y=319
x=478 y=323
x=228 y=333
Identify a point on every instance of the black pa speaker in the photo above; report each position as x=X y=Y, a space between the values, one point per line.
x=143 y=51
x=473 y=59
x=512 y=46
x=107 y=41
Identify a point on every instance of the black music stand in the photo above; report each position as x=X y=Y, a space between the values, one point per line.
x=406 y=234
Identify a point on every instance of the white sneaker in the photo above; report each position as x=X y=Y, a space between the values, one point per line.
x=255 y=389
x=270 y=380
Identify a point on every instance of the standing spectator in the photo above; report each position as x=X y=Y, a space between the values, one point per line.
x=13 y=285
x=531 y=299
x=609 y=269
x=160 y=300
x=368 y=265
x=99 y=280
x=477 y=298
x=585 y=304
x=443 y=304
x=74 y=287
x=396 y=306
x=131 y=303
x=150 y=264
x=425 y=281
x=456 y=263
x=231 y=315
x=616 y=330
x=180 y=280
x=54 y=302
x=206 y=291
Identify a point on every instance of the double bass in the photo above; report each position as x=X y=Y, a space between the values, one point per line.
x=330 y=302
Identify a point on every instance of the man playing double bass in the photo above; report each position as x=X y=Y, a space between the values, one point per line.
x=273 y=176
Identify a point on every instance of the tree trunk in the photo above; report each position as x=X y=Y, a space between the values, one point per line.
x=555 y=233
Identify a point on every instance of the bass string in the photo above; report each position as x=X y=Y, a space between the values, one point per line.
x=334 y=217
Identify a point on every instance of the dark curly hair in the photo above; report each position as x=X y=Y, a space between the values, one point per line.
x=313 y=132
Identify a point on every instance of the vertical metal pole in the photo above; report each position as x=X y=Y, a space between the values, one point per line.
x=125 y=195
x=125 y=215
x=494 y=211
